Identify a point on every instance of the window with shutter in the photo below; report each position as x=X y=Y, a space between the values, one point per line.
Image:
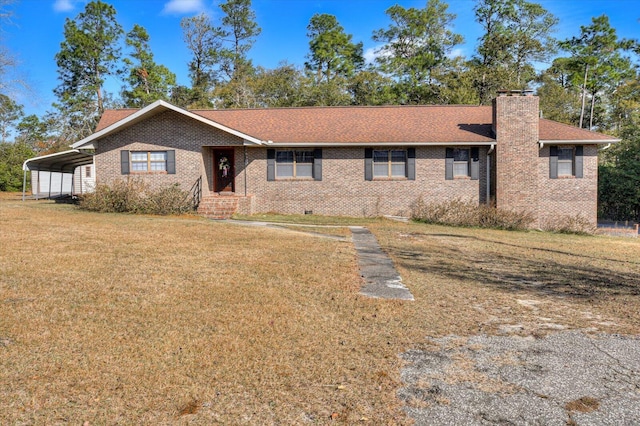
x=295 y=164
x=389 y=163
x=565 y=161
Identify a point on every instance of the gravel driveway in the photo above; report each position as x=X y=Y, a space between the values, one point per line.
x=566 y=378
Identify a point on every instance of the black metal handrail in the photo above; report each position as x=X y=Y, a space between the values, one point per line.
x=196 y=193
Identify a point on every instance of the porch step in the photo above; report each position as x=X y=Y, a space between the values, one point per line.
x=218 y=207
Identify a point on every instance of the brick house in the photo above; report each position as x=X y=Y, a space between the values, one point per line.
x=356 y=161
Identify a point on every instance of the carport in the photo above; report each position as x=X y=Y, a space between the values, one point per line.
x=64 y=163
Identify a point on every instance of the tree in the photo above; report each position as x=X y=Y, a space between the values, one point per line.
x=278 y=87
x=369 y=87
x=516 y=33
x=559 y=98
x=597 y=63
x=416 y=42
x=619 y=178
x=88 y=54
x=239 y=30
x=10 y=112
x=12 y=155
x=7 y=60
x=37 y=134
x=147 y=80
x=205 y=41
x=332 y=53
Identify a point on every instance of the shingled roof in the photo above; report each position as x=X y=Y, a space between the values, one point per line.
x=426 y=124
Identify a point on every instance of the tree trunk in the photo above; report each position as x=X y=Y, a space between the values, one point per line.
x=593 y=102
x=584 y=94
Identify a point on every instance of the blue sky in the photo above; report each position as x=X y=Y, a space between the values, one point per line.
x=36 y=30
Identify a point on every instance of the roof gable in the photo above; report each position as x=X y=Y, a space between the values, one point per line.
x=120 y=119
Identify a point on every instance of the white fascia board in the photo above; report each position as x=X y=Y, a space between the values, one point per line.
x=368 y=144
x=84 y=143
x=57 y=154
x=578 y=141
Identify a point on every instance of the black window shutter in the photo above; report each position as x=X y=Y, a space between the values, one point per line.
x=271 y=164
x=475 y=163
x=411 y=163
x=368 y=164
x=171 y=162
x=578 y=161
x=448 y=166
x=317 y=164
x=553 y=162
x=124 y=162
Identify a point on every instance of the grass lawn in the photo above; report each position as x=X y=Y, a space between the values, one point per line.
x=180 y=320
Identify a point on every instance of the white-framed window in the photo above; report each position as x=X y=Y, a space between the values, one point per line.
x=294 y=164
x=461 y=162
x=389 y=163
x=148 y=161
x=566 y=161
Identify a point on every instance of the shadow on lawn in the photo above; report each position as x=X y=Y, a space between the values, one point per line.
x=513 y=272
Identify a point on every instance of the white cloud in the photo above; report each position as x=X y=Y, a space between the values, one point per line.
x=63 y=5
x=183 y=6
x=458 y=51
x=372 y=53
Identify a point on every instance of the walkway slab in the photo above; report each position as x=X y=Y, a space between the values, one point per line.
x=381 y=280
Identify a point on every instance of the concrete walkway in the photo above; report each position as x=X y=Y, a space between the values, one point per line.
x=381 y=280
x=380 y=276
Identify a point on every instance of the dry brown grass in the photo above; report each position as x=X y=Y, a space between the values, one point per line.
x=137 y=319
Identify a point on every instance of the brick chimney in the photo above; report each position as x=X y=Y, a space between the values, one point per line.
x=515 y=123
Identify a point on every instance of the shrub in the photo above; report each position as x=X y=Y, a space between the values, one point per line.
x=570 y=225
x=135 y=196
x=466 y=213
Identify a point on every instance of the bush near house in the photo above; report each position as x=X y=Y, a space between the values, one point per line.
x=135 y=196
x=466 y=213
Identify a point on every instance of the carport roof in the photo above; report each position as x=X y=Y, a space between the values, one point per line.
x=64 y=162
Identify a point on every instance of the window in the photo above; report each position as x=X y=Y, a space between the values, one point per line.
x=565 y=161
x=294 y=164
x=147 y=161
x=389 y=163
x=462 y=163
x=154 y=161
x=87 y=171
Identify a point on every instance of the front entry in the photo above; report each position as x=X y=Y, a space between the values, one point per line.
x=223 y=170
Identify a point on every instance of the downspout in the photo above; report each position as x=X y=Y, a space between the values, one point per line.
x=245 y=170
x=605 y=147
x=488 y=199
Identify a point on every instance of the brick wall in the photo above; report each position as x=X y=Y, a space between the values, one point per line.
x=164 y=131
x=344 y=191
x=569 y=196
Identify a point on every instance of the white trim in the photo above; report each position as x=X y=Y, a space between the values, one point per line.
x=86 y=142
x=371 y=144
x=57 y=154
x=577 y=141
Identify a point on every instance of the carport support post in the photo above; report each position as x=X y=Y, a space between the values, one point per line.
x=50 y=182
x=24 y=182
x=61 y=183
x=38 y=187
